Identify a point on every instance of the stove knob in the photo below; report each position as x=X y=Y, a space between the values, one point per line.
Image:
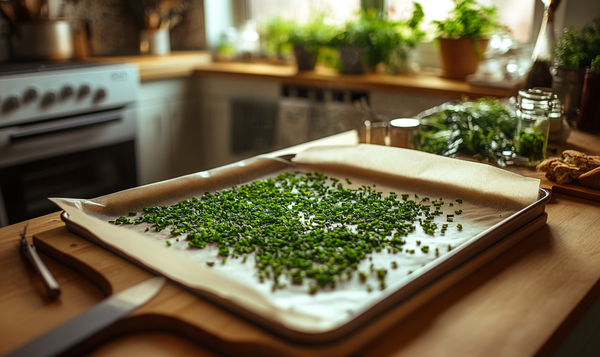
x=49 y=99
x=30 y=94
x=11 y=103
x=66 y=92
x=100 y=95
x=84 y=90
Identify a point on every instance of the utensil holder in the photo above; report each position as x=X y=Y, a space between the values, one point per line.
x=155 y=42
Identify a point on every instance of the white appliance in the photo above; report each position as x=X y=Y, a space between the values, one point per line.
x=67 y=129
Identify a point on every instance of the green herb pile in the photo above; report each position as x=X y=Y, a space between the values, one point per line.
x=303 y=226
x=481 y=129
x=531 y=145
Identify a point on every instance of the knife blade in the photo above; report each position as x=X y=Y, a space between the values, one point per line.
x=111 y=309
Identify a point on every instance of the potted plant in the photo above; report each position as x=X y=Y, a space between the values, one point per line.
x=308 y=39
x=573 y=52
x=372 y=39
x=276 y=34
x=463 y=37
x=352 y=43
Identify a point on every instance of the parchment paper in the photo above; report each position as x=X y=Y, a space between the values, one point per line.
x=490 y=196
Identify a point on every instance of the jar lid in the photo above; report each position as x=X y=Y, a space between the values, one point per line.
x=535 y=94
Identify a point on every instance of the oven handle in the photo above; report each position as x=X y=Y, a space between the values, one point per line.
x=65 y=125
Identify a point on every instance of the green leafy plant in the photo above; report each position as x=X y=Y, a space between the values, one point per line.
x=383 y=40
x=316 y=32
x=468 y=19
x=282 y=34
x=481 y=129
x=596 y=64
x=577 y=49
x=276 y=34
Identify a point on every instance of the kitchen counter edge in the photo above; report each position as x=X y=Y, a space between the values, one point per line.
x=188 y=63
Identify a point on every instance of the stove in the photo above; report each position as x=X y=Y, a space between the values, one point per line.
x=67 y=129
x=7 y=68
x=37 y=91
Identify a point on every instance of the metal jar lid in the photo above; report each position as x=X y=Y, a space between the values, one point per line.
x=405 y=133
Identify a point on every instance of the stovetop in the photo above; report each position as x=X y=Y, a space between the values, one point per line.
x=34 y=91
x=9 y=68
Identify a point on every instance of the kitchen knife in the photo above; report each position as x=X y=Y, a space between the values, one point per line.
x=86 y=324
x=40 y=268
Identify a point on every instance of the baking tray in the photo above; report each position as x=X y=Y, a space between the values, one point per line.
x=286 y=323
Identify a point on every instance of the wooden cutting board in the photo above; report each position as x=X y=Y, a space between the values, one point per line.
x=182 y=313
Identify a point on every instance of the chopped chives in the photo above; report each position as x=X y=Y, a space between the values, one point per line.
x=297 y=226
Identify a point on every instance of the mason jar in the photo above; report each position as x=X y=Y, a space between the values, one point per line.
x=531 y=137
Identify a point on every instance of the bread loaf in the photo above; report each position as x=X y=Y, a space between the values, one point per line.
x=591 y=178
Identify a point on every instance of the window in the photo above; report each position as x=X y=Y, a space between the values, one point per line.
x=517 y=15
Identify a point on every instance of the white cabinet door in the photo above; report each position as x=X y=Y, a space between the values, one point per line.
x=217 y=95
x=184 y=120
x=215 y=139
x=168 y=129
x=154 y=143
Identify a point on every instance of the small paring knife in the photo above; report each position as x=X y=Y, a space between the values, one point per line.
x=109 y=310
x=40 y=268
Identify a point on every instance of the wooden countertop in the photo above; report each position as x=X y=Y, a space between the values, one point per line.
x=523 y=302
x=174 y=65
x=183 y=64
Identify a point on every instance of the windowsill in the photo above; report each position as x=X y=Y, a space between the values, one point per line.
x=185 y=64
x=425 y=83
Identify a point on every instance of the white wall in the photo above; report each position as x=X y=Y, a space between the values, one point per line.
x=576 y=13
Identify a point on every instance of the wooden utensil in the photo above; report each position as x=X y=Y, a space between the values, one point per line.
x=7 y=10
x=175 y=19
x=33 y=7
x=53 y=8
x=20 y=11
x=152 y=19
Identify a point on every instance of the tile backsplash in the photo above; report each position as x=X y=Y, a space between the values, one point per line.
x=115 y=30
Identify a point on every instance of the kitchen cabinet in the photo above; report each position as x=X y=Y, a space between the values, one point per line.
x=238 y=118
x=168 y=130
x=237 y=122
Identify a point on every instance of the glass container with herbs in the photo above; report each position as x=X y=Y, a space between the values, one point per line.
x=531 y=137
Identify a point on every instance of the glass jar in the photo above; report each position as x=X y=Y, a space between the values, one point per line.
x=531 y=137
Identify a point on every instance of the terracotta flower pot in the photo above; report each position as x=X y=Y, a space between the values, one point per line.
x=460 y=57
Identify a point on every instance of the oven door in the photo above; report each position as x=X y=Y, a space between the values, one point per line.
x=82 y=156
